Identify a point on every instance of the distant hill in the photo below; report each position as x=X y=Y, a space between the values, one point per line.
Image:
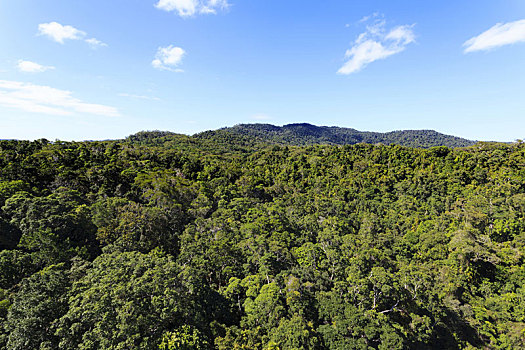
x=304 y=134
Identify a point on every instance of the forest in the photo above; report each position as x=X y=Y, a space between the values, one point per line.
x=163 y=241
x=304 y=134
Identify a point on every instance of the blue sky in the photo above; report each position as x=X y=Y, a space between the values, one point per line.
x=78 y=70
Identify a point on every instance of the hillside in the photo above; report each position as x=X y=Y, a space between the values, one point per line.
x=306 y=134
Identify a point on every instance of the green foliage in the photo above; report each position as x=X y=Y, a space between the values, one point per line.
x=235 y=239
x=126 y=300
x=307 y=134
x=58 y=226
x=132 y=226
x=42 y=299
x=4 y=308
x=15 y=265
x=183 y=338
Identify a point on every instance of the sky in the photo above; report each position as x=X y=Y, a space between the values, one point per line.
x=94 y=70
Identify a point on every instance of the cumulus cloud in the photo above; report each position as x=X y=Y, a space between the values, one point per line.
x=376 y=43
x=60 y=33
x=211 y=6
x=188 y=8
x=32 y=67
x=44 y=99
x=168 y=58
x=499 y=35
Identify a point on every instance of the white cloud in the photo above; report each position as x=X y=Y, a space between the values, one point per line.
x=94 y=43
x=32 y=67
x=499 y=35
x=140 y=97
x=402 y=35
x=57 y=32
x=187 y=8
x=44 y=99
x=376 y=43
x=168 y=58
x=211 y=6
x=373 y=15
x=183 y=7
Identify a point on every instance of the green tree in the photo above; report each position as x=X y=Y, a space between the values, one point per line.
x=127 y=300
x=41 y=301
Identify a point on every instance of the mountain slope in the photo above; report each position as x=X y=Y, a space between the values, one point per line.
x=307 y=134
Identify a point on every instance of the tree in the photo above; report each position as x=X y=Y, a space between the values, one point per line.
x=41 y=301
x=183 y=338
x=127 y=300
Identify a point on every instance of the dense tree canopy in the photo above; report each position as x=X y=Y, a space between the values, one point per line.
x=171 y=242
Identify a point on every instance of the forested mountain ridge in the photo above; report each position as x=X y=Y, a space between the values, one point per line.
x=165 y=241
x=247 y=137
x=304 y=134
